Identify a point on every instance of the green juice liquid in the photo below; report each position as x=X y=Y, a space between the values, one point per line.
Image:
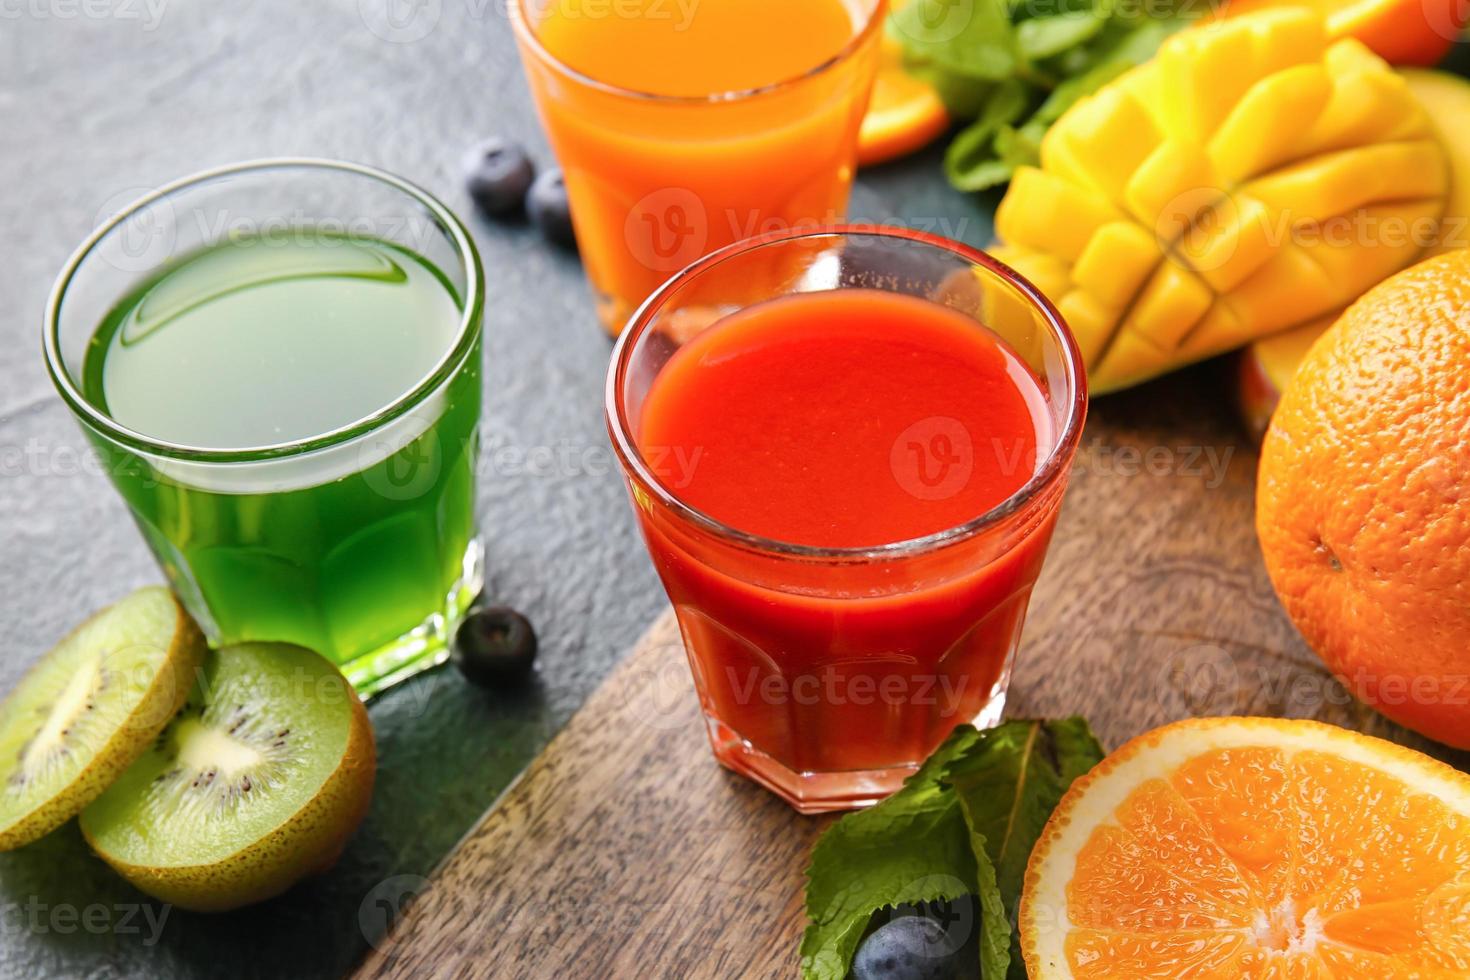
x=260 y=342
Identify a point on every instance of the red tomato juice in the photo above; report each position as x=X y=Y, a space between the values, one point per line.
x=849 y=419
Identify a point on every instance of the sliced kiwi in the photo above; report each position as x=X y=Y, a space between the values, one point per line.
x=257 y=782
x=89 y=708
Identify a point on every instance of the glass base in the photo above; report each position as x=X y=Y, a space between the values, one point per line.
x=823 y=792
x=426 y=645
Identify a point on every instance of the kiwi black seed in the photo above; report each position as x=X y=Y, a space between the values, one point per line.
x=259 y=781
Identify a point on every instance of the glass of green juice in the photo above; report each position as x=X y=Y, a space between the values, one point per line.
x=278 y=364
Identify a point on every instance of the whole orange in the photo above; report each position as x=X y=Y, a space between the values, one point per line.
x=1363 y=498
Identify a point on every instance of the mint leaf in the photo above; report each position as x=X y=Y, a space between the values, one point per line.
x=963 y=98
x=988 y=152
x=913 y=847
x=1123 y=43
x=970 y=160
x=970 y=38
x=1020 y=147
x=1045 y=37
x=1008 y=784
x=995 y=923
x=981 y=53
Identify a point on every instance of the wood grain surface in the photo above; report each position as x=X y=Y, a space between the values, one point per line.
x=625 y=851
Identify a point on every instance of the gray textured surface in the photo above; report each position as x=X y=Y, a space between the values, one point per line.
x=97 y=109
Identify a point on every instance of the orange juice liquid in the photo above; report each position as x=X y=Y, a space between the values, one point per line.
x=701 y=47
x=686 y=125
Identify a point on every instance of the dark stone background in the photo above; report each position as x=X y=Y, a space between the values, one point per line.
x=101 y=100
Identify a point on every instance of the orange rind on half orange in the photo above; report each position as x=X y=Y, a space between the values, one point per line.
x=905 y=114
x=1254 y=849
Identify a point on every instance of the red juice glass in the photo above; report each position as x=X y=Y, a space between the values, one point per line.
x=846 y=450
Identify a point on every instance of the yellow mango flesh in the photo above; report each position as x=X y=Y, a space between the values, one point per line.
x=1272 y=360
x=1253 y=177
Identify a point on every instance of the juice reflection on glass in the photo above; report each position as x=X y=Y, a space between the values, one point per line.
x=847 y=487
x=685 y=126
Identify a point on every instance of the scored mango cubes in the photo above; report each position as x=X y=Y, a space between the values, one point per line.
x=1250 y=178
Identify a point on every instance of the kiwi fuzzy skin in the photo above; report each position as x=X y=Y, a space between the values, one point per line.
x=164 y=697
x=309 y=843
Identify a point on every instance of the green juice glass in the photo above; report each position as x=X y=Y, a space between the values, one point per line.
x=278 y=364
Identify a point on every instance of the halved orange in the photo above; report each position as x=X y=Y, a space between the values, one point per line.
x=905 y=113
x=1254 y=849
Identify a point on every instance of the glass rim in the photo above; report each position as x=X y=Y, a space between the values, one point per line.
x=528 y=36
x=1064 y=447
x=471 y=314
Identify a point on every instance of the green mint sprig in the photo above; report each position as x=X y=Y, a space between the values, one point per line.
x=963 y=825
x=1010 y=68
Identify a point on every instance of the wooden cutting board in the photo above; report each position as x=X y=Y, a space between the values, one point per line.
x=626 y=851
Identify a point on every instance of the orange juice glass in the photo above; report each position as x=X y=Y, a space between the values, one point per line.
x=685 y=125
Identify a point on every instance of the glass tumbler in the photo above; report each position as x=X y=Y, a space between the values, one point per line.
x=656 y=181
x=358 y=542
x=916 y=636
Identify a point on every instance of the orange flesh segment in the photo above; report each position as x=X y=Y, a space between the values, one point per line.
x=905 y=113
x=1259 y=864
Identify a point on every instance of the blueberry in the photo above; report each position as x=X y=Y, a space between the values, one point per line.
x=494 y=646
x=498 y=173
x=550 y=210
x=910 y=947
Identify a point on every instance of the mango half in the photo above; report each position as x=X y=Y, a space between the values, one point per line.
x=1251 y=178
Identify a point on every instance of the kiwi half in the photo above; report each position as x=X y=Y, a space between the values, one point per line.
x=90 y=707
x=258 y=782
